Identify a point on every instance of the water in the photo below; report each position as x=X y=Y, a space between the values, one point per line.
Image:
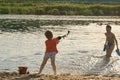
x=79 y=53
x=50 y=17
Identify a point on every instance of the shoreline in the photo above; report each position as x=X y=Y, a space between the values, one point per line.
x=59 y=17
x=16 y=76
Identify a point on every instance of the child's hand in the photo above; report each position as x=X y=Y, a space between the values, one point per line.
x=105 y=46
x=118 y=52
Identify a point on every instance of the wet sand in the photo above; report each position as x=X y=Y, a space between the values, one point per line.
x=16 y=76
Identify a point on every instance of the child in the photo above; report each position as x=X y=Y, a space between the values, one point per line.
x=51 y=50
x=110 y=41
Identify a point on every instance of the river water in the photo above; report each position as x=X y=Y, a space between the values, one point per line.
x=79 y=53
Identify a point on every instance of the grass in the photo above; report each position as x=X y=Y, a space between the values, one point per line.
x=55 y=8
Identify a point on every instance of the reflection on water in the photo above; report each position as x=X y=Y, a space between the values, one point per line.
x=77 y=53
x=28 y=23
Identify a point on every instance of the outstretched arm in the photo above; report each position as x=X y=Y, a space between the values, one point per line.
x=60 y=37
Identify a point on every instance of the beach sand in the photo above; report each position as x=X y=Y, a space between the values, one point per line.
x=16 y=76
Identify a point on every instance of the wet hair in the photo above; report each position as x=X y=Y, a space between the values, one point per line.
x=108 y=26
x=49 y=34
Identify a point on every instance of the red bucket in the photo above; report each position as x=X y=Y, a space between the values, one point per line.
x=22 y=70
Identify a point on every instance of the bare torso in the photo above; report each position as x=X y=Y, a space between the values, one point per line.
x=110 y=37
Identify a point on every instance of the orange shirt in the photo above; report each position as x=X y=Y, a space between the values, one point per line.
x=51 y=45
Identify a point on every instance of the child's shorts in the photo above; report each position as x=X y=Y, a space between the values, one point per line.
x=50 y=55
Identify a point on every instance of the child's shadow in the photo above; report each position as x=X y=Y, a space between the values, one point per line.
x=99 y=66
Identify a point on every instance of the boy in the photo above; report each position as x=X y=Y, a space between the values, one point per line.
x=51 y=50
x=110 y=41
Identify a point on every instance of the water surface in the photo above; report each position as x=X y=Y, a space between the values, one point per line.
x=79 y=53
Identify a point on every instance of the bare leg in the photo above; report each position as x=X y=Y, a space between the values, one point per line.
x=53 y=65
x=109 y=51
x=43 y=64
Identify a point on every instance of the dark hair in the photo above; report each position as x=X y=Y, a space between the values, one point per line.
x=108 y=26
x=49 y=34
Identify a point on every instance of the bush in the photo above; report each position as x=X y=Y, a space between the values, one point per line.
x=4 y=10
x=86 y=12
x=54 y=12
x=39 y=11
x=96 y=10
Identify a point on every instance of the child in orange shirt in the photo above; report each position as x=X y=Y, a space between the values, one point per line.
x=51 y=50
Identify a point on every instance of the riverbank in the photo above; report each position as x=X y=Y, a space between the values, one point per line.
x=16 y=76
x=61 y=8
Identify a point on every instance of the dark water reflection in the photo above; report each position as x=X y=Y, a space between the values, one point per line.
x=28 y=23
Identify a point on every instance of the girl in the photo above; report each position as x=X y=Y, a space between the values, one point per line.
x=51 y=50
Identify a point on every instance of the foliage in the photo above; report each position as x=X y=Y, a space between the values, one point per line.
x=61 y=8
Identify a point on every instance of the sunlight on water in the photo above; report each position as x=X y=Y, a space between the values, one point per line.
x=79 y=53
x=52 y=17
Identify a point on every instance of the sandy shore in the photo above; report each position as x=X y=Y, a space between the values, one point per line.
x=16 y=76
